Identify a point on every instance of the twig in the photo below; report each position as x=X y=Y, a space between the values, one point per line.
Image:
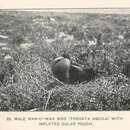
x=34 y=109
x=49 y=95
x=54 y=78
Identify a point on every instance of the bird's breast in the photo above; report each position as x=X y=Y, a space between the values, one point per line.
x=61 y=66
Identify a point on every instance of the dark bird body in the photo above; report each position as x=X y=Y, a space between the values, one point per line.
x=126 y=69
x=79 y=74
x=60 y=68
x=67 y=72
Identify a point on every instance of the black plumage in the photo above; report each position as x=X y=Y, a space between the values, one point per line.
x=67 y=72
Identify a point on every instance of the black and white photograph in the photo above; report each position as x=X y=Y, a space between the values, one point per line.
x=64 y=60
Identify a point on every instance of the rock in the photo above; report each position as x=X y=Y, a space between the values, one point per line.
x=26 y=45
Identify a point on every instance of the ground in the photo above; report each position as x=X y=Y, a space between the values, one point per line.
x=34 y=39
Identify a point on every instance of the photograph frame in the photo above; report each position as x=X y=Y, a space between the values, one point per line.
x=115 y=120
